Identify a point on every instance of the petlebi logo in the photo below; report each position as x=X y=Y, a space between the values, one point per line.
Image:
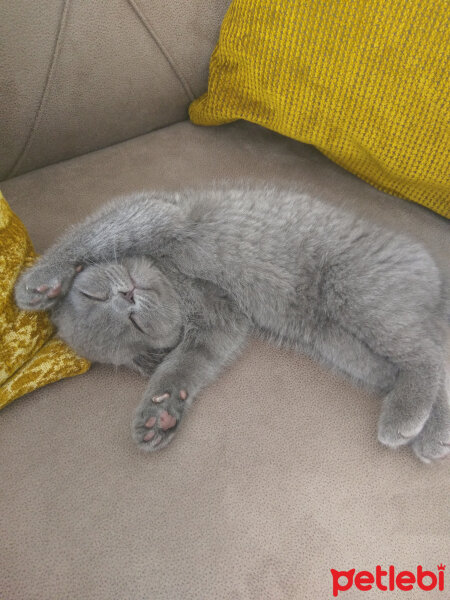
x=389 y=580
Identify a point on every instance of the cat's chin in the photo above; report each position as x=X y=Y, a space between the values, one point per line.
x=122 y=348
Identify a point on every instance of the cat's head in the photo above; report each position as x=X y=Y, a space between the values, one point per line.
x=116 y=312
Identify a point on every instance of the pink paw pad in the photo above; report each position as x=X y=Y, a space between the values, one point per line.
x=150 y=422
x=167 y=421
x=55 y=291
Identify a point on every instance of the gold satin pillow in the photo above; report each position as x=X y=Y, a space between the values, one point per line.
x=30 y=355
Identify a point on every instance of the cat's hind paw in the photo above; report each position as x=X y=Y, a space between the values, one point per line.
x=399 y=422
x=433 y=442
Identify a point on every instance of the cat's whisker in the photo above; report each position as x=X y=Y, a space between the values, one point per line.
x=115 y=248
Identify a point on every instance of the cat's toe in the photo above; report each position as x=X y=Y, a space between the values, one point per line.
x=394 y=434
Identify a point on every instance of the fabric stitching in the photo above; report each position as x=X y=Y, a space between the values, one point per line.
x=46 y=89
x=162 y=48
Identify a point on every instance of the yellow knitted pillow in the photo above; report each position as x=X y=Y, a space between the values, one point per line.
x=30 y=356
x=365 y=81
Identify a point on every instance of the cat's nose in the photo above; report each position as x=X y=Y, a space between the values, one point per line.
x=129 y=296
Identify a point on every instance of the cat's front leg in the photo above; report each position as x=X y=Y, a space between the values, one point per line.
x=139 y=225
x=190 y=367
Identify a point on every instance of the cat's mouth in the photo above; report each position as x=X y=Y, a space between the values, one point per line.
x=129 y=296
x=135 y=324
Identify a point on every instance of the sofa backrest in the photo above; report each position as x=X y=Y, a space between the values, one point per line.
x=76 y=76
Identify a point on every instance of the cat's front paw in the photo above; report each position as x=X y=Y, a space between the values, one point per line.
x=158 y=416
x=43 y=285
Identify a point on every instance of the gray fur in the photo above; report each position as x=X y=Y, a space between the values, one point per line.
x=222 y=263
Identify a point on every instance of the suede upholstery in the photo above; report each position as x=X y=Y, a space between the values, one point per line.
x=275 y=476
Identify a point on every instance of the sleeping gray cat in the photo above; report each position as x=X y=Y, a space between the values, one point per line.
x=172 y=285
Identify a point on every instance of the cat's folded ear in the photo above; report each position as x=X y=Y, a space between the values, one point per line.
x=147 y=362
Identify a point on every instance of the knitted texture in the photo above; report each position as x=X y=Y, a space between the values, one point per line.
x=30 y=355
x=365 y=81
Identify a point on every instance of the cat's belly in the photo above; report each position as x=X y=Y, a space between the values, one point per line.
x=334 y=347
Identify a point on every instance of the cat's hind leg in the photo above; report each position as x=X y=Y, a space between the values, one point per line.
x=410 y=385
x=343 y=352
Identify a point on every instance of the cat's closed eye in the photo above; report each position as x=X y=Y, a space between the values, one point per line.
x=98 y=297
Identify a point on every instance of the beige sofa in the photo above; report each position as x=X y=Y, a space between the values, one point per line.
x=276 y=476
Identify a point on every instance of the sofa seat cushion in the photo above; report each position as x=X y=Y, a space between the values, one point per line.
x=276 y=476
